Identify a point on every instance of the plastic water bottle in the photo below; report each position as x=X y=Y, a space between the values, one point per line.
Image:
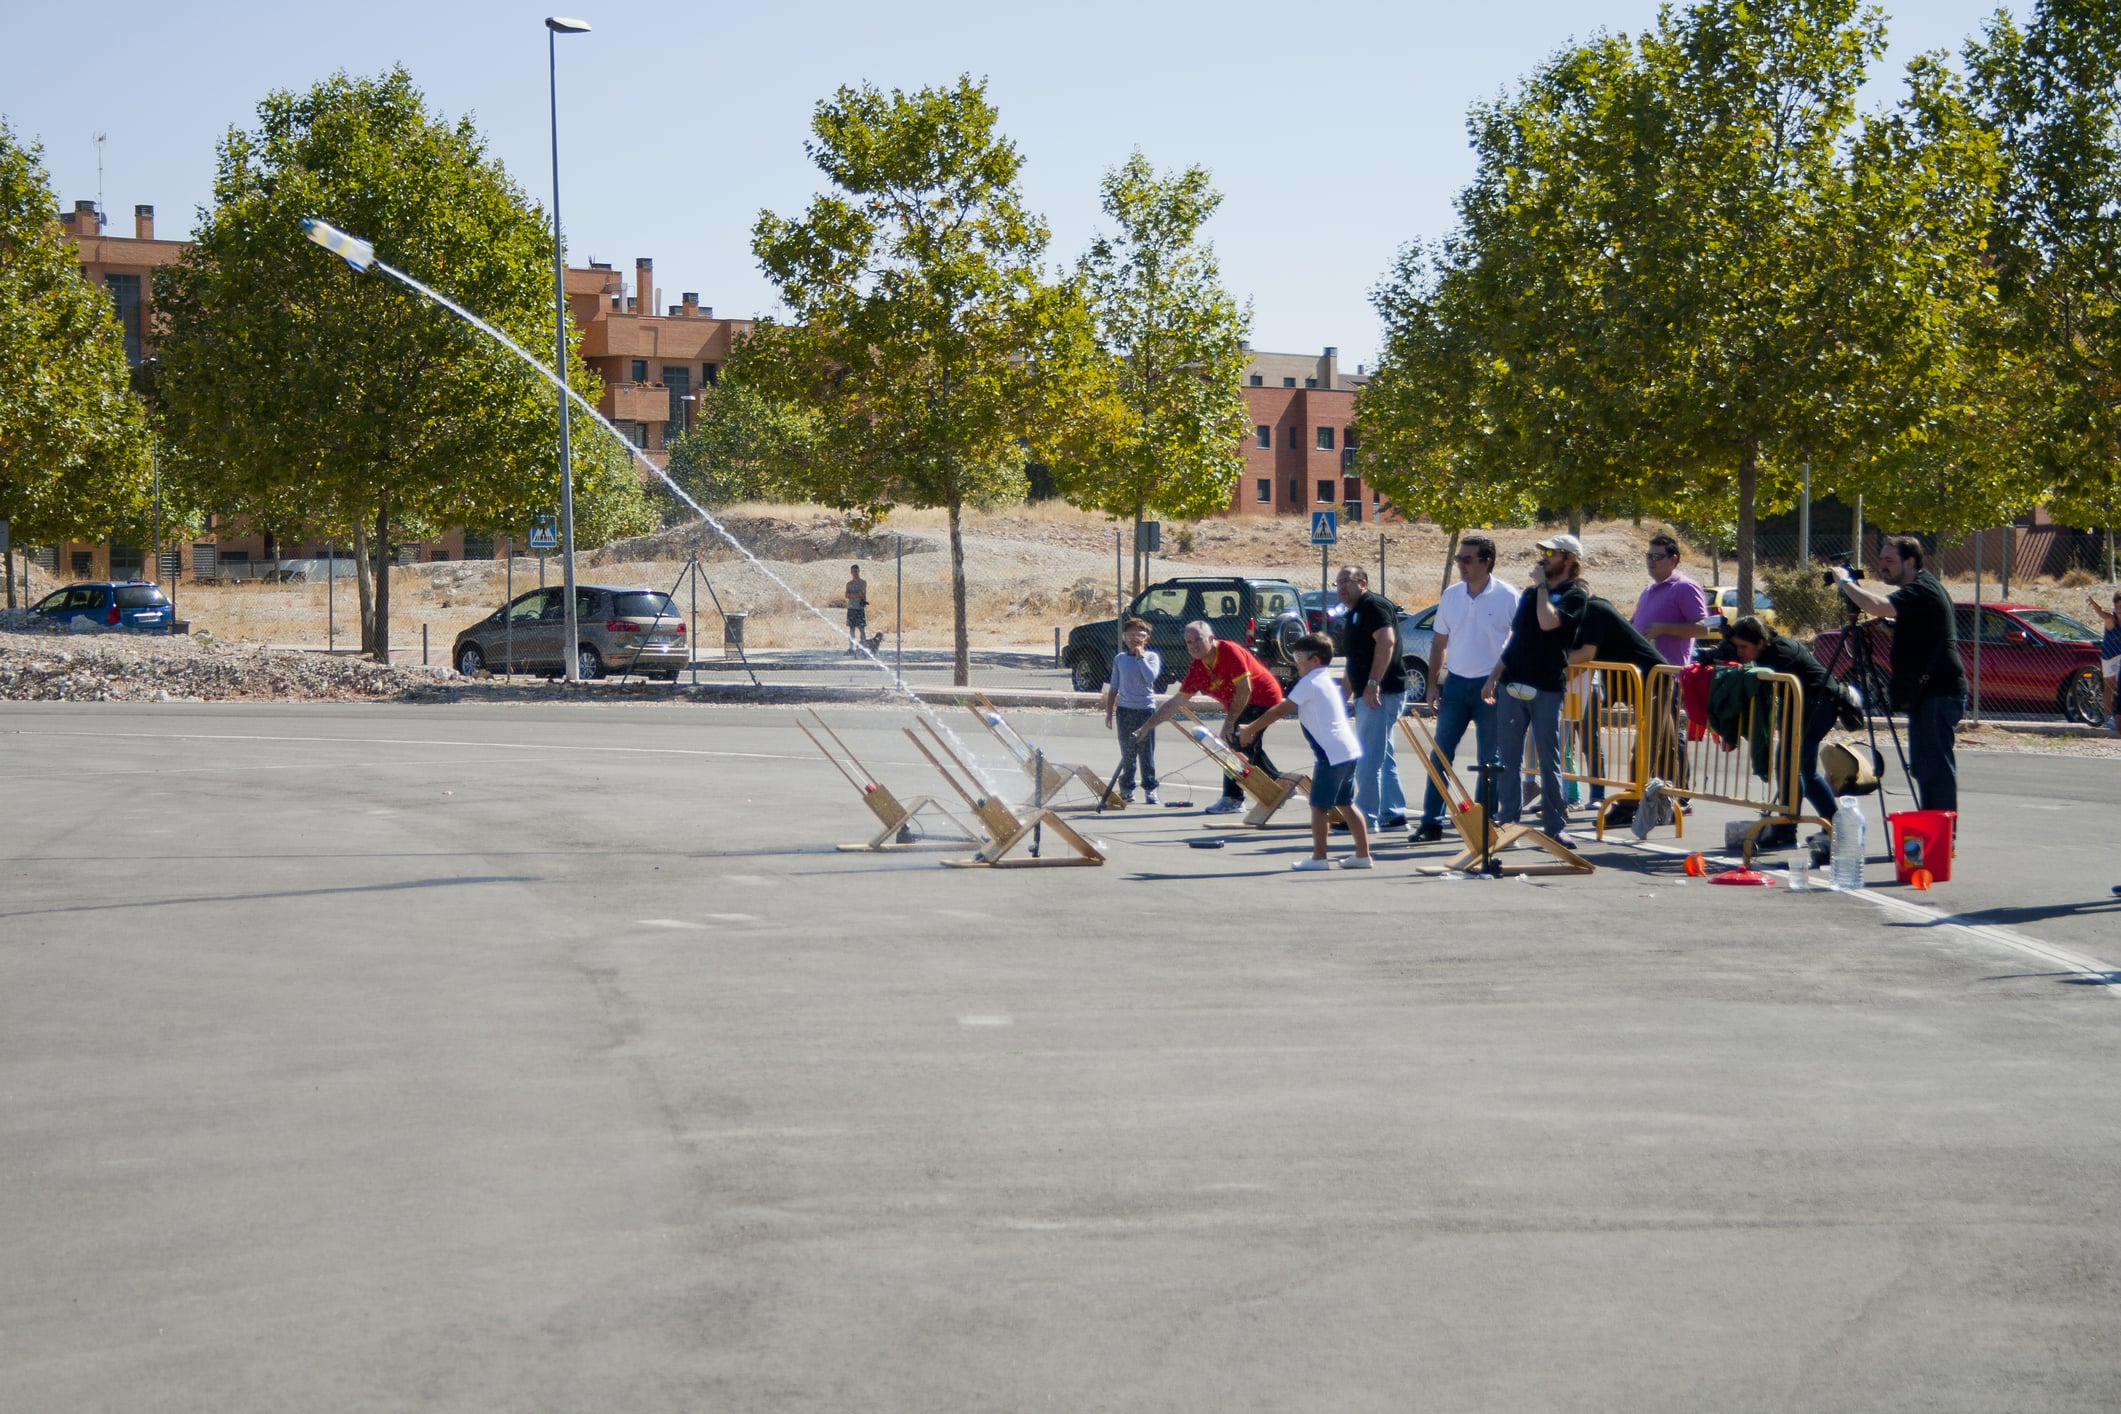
x=1848 y=844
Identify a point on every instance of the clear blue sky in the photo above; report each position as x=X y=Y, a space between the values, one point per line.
x=1336 y=132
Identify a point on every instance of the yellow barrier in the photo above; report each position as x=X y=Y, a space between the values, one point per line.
x=1705 y=769
x=1602 y=719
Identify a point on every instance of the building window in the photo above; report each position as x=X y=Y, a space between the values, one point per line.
x=1310 y=382
x=125 y=294
x=712 y=373
x=478 y=544
x=1266 y=491
x=679 y=381
x=1353 y=506
x=640 y=370
x=1347 y=438
x=1266 y=438
x=1325 y=493
x=1292 y=437
x=1288 y=382
x=1296 y=493
x=1258 y=381
x=1325 y=439
x=632 y=430
x=84 y=563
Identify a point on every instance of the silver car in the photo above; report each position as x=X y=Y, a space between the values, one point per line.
x=638 y=631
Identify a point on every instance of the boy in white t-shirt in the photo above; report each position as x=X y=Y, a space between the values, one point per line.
x=1321 y=709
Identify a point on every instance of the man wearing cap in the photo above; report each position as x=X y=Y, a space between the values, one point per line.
x=1534 y=674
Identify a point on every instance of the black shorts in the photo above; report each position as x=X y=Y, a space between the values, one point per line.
x=857 y=617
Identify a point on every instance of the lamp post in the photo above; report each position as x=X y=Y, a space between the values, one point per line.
x=555 y=26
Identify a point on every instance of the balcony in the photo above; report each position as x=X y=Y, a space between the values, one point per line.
x=638 y=402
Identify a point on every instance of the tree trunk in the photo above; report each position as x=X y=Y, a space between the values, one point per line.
x=1748 y=487
x=383 y=559
x=364 y=583
x=1576 y=521
x=10 y=570
x=1450 y=562
x=961 y=642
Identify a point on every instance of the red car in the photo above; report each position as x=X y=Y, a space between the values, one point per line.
x=2032 y=660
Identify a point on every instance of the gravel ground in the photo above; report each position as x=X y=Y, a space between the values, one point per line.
x=113 y=667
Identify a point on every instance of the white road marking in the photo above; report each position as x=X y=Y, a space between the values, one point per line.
x=986 y=1021
x=667 y=923
x=734 y=917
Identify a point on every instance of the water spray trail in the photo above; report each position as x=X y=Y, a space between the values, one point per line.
x=361 y=255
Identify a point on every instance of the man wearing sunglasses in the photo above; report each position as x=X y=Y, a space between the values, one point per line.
x=1472 y=624
x=1671 y=609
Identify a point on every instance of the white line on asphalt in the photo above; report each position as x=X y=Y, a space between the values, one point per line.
x=423 y=741
x=1988 y=932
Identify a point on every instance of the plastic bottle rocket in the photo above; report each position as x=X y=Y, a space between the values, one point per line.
x=351 y=249
x=1848 y=843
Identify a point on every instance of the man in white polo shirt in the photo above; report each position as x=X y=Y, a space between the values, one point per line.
x=1472 y=625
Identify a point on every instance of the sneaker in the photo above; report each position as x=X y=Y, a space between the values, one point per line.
x=1429 y=832
x=1148 y=797
x=1391 y=822
x=1356 y=861
x=1225 y=806
x=1311 y=866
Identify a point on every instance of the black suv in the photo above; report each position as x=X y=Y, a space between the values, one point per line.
x=1265 y=615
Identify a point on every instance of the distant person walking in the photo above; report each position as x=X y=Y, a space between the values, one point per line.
x=1472 y=625
x=1131 y=698
x=857 y=608
x=2109 y=652
x=1376 y=682
x=1228 y=673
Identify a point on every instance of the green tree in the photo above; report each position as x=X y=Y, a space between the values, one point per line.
x=2051 y=93
x=742 y=444
x=306 y=398
x=1429 y=439
x=73 y=440
x=924 y=340
x=1168 y=436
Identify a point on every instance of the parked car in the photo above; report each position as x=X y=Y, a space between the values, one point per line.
x=2032 y=659
x=129 y=603
x=618 y=630
x=1265 y=615
x=1723 y=604
x=1324 y=613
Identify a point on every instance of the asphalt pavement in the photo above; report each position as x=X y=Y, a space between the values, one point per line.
x=523 y=1056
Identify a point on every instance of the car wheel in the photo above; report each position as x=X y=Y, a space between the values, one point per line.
x=2081 y=698
x=588 y=666
x=1083 y=673
x=1285 y=635
x=1417 y=680
x=470 y=661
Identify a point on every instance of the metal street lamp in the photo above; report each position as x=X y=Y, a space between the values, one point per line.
x=555 y=26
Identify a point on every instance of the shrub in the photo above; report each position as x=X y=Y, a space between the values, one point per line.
x=1804 y=604
x=1184 y=540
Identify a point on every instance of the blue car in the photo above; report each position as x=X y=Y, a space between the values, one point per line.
x=125 y=604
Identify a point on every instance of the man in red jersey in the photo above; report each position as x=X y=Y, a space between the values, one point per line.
x=1228 y=673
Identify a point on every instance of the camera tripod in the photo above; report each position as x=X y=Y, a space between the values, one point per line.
x=1863 y=674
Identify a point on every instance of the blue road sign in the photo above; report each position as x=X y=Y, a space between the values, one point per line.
x=544 y=533
x=1325 y=527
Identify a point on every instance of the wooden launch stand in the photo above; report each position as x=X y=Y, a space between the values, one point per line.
x=1268 y=794
x=896 y=818
x=1052 y=777
x=1471 y=820
x=1005 y=830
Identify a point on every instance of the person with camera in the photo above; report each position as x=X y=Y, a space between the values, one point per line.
x=1752 y=642
x=1534 y=673
x=1928 y=681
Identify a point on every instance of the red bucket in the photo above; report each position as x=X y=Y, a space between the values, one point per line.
x=1922 y=839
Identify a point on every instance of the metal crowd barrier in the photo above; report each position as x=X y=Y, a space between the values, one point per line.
x=1703 y=769
x=1602 y=719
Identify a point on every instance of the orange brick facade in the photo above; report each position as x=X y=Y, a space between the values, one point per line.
x=1298 y=450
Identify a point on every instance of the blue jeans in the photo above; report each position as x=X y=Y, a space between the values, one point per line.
x=1541 y=718
x=1377 y=790
x=1930 y=758
x=1461 y=706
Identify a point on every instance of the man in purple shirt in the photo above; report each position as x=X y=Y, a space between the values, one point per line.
x=1671 y=610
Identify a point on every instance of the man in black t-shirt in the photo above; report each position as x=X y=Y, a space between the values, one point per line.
x=1753 y=642
x=1929 y=683
x=1377 y=683
x=1534 y=674
x=1608 y=637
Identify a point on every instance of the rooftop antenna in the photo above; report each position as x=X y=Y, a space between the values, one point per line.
x=101 y=219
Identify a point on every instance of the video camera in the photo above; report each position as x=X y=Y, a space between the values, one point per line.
x=1846 y=562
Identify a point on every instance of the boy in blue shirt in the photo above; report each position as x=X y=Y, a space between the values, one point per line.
x=1131 y=697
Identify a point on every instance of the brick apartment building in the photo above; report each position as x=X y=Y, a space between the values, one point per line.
x=652 y=366
x=1299 y=456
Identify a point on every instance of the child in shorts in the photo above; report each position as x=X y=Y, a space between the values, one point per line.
x=1321 y=708
x=2109 y=653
